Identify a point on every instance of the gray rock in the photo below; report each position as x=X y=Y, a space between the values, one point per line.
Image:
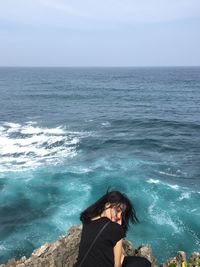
x=64 y=251
x=194 y=260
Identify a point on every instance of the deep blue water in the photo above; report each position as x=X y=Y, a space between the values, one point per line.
x=67 y=134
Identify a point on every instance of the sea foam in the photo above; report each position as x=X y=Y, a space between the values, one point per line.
x=29 y=145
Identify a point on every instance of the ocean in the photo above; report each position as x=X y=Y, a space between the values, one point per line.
x=69 y=134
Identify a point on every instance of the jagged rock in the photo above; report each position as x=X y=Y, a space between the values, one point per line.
x=194 y=260
x=63 y=253
x=146 y=252
x=128 y=248
x=178 y=261
x=43 y=249
x=181 y=257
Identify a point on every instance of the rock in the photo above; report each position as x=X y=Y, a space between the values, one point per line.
x=128 y=248
x=38 y=252
x=178 y=261
x=64 y=251
x=146 y=252
x=194 y=260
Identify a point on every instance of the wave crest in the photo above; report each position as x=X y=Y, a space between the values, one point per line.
x=29 y=146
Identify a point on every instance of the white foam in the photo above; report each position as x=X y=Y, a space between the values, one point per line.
x=39 y=146
x=105 y=123
x=81 y=169
x=169 y=174
x=193 y=210
x=174 y=186
x=31 y=122
x=79 y=188
x=161 y=217
x=37 y=130
x=157 y=181
x=185 y=195
x=12 y=124
x=2 y=128
x=2 y=247
x=153 y=181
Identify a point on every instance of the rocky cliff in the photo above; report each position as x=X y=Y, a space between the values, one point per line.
x=63 y=253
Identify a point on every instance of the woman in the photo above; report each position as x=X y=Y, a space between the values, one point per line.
x=105 y=223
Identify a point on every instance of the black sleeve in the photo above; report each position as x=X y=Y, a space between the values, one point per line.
x=116 y=233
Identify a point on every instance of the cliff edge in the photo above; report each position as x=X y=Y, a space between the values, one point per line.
x=63 y=253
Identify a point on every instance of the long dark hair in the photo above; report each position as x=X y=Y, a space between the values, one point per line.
x=115 y=198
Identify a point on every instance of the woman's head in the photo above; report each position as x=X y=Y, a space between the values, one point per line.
x=115 y=203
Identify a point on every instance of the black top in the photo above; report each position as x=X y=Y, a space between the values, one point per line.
x=101 y=254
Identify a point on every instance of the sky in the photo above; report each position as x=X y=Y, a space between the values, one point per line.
x=100 y=33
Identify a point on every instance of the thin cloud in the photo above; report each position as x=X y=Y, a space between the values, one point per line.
x=63 y=7
x=99 y=13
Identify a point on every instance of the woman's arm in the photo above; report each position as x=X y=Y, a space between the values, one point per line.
x=118 y=255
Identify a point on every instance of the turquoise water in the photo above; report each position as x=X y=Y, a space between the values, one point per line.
x=67 y=134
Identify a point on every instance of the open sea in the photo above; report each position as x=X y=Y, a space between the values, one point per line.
x=69 y=134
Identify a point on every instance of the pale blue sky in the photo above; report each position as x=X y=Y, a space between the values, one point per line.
x=100 y=33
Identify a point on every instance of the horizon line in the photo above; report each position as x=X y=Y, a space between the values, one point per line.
x=96 y=66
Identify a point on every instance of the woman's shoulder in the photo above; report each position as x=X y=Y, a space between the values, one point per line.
x=105 y=220
x=116 y=232
x=116 y=228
